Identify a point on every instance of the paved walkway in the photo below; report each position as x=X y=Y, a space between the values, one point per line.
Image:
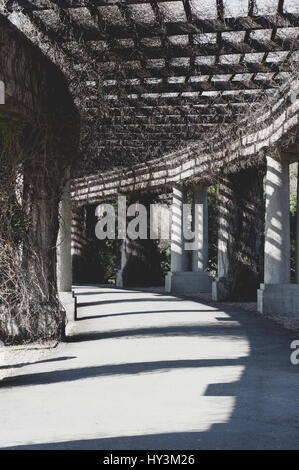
x=149 y=371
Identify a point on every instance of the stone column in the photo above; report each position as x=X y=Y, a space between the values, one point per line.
x=297 y=228
x=277 y=295
x=63 y=250
x=64 y=261
x=119 y=277
x=221 y=286
x=180 y=280
x=277 y=223
x=179 y=258
x=200 y=219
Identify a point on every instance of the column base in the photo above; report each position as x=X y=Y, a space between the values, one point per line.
x=221 y=289
x=68 y=303
x=119 y=278
x=278 y=299
x=188 y=282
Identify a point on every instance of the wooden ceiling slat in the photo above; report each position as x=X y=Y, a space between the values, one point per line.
x=166 y=122
x=183 y=28
x=281 y=19
x=191 y=87
x=152 y=113
x=172 y=71
x=184 y=100
x=174 y=52
x=144 y=120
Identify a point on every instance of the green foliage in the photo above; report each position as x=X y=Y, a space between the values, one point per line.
x=165 y=260
x=108 y=257
x=293 y=204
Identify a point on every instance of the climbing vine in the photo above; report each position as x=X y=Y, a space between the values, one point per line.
x=30 y=188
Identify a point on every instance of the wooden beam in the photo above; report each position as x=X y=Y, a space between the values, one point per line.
x=190 y=87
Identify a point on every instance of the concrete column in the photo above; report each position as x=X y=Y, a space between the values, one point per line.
x=63 y=250
x=277 y=296
x=221 y=285
x=277 y=223
x=179 y=257
x=297 y=228
x=179 y=280
x=64 y=260
x=200 y=226
x=123 y=254
x=223 y=237
x=119 y=274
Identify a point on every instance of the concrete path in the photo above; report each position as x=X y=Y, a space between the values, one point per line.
x=149 y=371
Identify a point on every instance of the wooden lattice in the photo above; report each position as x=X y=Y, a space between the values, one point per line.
x=150 y=77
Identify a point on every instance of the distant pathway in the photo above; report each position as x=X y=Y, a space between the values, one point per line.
x=149 y=371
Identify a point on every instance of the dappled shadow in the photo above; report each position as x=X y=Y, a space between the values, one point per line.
x=71 y=375
x=265 y=413
x=102 y=293
x=219 y=437
x=23 y=364
x=150 y=312
x=111 y=289
x=180 y=330
x=118 y=301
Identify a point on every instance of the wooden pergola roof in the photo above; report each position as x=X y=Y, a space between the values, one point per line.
x=150 y=77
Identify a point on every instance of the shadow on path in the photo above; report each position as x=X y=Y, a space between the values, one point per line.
x=144 y=299
x=23 y=364
x=71 y=375
x=180 y=330
x=266 y=407
x=112 y=315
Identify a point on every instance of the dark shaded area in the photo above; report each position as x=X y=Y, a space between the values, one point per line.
x=143 y=267
x=93 y=260
x=293 y=216
x=219 y=437
x=97 y=261
x=241 y=206
x=144 y=259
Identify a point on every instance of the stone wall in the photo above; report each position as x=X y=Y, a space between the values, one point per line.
x=39 y=135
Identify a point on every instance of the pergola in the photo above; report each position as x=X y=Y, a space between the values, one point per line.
x=173 y=96
x=151 y=77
